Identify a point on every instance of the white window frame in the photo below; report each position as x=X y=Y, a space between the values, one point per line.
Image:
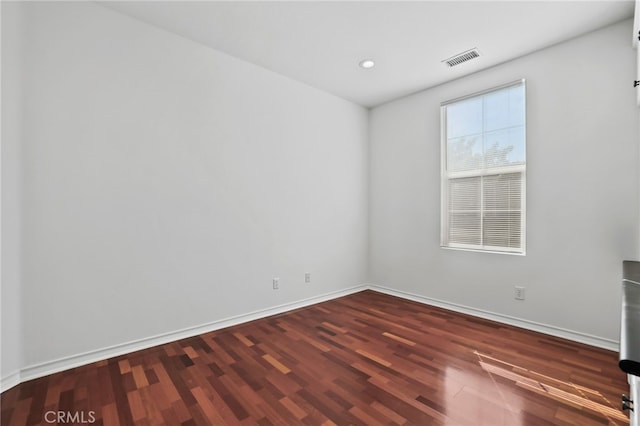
x=446 y=176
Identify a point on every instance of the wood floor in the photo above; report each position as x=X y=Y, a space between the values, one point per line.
x=364 y=359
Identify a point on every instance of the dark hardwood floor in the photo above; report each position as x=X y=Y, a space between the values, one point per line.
x=367 y=358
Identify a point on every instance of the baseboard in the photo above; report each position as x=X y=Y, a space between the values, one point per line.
x=551 y=330
x=50 y=367
x=9 y=381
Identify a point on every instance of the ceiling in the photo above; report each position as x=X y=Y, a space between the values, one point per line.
x=320 y=43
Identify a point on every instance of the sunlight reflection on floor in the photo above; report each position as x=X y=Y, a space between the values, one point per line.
x=561 y=391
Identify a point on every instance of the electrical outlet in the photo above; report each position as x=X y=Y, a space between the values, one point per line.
x=519 y=293
x=276 y=283
x=307 y=277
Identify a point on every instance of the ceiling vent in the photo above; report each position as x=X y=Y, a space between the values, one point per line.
x=462 y=57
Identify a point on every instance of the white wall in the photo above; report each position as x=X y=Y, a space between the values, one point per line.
x=166 y=183
x=10 y=319
x=150 y=184
x=582 y=178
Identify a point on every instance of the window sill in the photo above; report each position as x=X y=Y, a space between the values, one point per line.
x=510 y=253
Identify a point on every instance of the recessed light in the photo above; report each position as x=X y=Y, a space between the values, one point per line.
x=367 y=63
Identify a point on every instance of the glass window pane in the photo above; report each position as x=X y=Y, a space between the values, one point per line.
x=496 y=110
x=517 y=106
x=464 y=228
x=464 y=118
x=502 y=192
x=502 y=229
x=464 y=153
x=504 y=147
x=464 y=194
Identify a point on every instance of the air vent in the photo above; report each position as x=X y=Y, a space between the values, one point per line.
x=462 y=57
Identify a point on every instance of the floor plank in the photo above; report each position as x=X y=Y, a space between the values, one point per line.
x=367 y=358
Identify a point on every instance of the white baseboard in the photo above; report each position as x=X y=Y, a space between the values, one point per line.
x=551 y=330
x=50 y=367
x=9 y=381
x=61 y=364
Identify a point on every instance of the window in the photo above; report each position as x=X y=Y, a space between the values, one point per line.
x=484 y=170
